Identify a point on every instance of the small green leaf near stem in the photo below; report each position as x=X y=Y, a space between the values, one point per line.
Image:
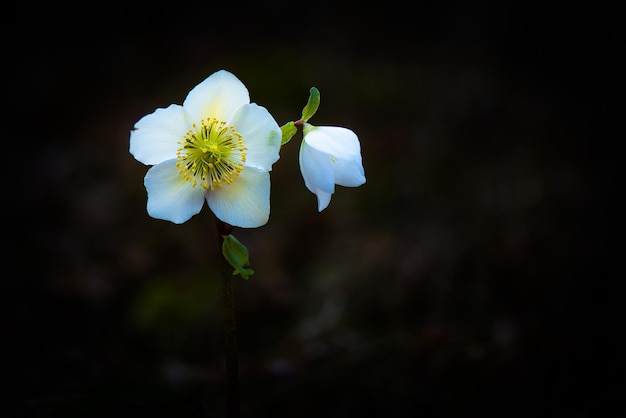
x=237 y=256
x=289 y=129
x=311 y=105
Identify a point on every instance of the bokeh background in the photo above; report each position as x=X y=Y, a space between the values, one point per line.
x=473 y=273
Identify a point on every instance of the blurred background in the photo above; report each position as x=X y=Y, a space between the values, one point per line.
x=474 y=272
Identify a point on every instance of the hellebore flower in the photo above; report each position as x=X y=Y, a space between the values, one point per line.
x=330 y=155
x=217 y=147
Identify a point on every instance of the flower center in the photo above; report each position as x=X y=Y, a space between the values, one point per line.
x=211 y=155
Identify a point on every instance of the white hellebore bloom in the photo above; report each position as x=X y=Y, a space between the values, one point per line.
x=217 y=147
x=330 y=155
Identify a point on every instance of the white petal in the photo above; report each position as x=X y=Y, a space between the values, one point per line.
x=339 y=142
x=220 y=95
x=156 y=136
x=323 y=200
x=170 y=197
x=261 y=135
x=245 y=202
x=317 y=170
x=349 y=173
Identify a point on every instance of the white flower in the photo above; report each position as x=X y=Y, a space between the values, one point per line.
x=217 y=147
x=330 y=155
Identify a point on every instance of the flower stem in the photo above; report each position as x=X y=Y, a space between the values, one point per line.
x=230 y=328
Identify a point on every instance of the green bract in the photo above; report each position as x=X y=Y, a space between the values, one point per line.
x=289 y=130
x=237 y=256
x=312 y=105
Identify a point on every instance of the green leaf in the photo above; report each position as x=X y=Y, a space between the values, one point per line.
x=289 y=130
x=237 y=256
x=312 y=105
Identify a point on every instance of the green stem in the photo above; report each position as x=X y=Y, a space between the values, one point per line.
x=230 y=327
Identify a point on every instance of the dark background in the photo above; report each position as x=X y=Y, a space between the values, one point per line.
x=475 y=272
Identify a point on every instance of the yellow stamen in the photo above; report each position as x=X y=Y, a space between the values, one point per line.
x=211 y=155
